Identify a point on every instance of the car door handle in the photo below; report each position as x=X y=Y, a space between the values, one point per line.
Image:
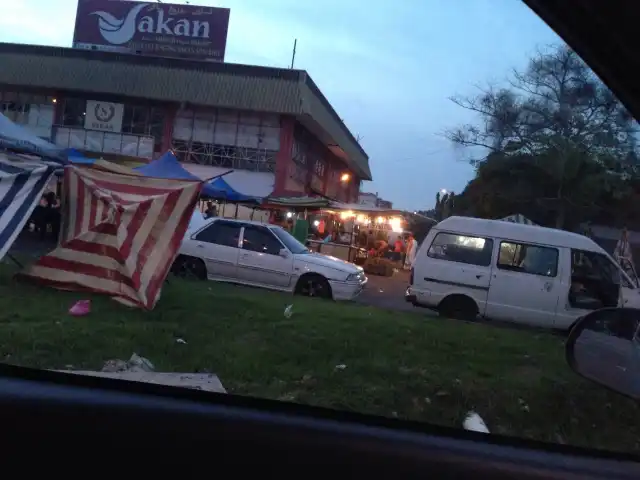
x=199 y=245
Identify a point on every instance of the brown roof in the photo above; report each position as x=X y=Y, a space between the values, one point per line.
x=226 y=85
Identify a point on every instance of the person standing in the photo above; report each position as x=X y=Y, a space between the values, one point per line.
x=211 y=210
x=412 y=247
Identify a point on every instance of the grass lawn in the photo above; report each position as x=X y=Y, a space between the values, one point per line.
x=396 y=364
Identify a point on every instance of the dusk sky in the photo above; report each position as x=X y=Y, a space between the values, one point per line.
x=387 y=67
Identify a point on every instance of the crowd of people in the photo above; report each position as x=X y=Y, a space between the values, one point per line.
x=402 y=250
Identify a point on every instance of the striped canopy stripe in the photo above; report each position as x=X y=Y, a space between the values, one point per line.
x=21 y=187
x=120 y=234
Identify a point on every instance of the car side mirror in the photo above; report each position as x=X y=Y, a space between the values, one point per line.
x=604 y=347
x=284 y=253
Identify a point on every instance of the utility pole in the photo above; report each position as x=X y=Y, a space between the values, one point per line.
x=293 y=56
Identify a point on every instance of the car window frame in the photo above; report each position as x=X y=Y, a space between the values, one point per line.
x=528 y=244
x=459 y=234
x=260 y=227
x=195 y=234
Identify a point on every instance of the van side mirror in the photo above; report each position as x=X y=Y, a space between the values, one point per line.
x=604 y=347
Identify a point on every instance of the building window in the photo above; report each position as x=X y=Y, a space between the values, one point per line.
x=317 y=173
x=227 y=138
x=319 y=167
x=136 y=119
x=35 y=112
x=141 y=134
x=105 y=142
x=332 y=183
x=143 y=120
x=73 y=112
x=300 y=153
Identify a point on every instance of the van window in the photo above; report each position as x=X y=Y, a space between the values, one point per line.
x=525 y=258
x=596 y=266
x=462 y=249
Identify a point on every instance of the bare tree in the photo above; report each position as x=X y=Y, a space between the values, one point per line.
x=557 y=100
x=556 y=112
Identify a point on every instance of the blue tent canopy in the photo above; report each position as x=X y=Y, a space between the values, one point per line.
x=77 y=157
x=221 y=185
x=168 y=166
x=19 y=139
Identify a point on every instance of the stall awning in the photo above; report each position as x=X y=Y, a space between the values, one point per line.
x=298 y=202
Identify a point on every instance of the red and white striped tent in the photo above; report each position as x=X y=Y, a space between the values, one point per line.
x=121 y=232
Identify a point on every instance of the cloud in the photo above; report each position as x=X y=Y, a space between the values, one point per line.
x=24 y=21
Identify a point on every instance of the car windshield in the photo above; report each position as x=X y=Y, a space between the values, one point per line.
x=450 y=154
x=289 y=241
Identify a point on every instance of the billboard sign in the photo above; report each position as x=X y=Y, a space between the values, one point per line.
x=160 y=29
x=104 y=116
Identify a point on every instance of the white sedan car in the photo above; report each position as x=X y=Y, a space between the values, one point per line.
x=266 y=256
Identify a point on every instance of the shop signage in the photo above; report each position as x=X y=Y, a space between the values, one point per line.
x=160 y=29
x=103 y=116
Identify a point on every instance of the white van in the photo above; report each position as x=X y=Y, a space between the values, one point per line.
x=519 y=273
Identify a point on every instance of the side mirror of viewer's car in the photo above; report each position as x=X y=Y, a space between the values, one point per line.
x=604 y=347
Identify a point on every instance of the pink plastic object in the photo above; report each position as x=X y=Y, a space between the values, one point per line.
x=80 y=308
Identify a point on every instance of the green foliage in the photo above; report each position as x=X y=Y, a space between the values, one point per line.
x=444 y=205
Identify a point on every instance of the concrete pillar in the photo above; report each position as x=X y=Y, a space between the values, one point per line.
x=284 y=155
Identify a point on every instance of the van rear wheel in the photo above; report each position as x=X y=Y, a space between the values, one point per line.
x=458 y=307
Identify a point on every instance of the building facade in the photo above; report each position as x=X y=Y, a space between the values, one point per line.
x=273 y=127
x=373 y=200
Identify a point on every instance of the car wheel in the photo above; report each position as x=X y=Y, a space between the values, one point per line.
x=314 y=286
x=458 y=307
x=189 y=267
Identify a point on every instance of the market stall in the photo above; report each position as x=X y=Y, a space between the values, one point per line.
x=355 y=233
x=293 y=213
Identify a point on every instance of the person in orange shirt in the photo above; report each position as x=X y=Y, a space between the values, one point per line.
x=398 y=249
